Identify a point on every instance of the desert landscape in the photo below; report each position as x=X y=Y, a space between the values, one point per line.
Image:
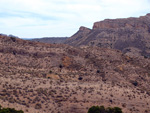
x=108 y=65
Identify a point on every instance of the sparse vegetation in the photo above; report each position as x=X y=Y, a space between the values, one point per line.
x=98 y=71
x=79 y=78
x=60 y=66
x=135 y=83
x=50 y=72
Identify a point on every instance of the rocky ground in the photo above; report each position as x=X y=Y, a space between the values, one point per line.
x=56 y=78
x=41 y=95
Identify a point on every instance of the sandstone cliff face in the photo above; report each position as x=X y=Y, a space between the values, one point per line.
x=131 y=35
x=142 y=22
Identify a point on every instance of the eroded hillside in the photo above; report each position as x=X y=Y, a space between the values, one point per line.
x=52 y=78
x=130 y=35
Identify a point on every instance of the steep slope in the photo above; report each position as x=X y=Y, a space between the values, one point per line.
x=77 y=38
x=131 y=35
x=52 y=78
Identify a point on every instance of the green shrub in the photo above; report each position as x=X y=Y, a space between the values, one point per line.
x=9 y=110
x=102 y=109
x=50 y=71
x=135 y=83
x=114 y=110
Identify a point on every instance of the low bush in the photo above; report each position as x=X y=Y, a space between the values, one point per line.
x=102 y=109
x=9 y=110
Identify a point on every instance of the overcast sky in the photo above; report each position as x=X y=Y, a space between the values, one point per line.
x=49 y=18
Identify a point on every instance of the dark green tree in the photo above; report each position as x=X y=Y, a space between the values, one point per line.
x=97 y=109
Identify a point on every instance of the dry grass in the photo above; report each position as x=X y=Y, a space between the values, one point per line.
x=31 y=78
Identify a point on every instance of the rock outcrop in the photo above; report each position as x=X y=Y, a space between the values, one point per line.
x=77 y=38
x=130 y=35
x=142 y=22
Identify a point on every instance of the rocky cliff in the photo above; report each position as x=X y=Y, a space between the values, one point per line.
x=142 y=22
x=130 y=35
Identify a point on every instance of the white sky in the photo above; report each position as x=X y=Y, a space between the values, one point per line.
x=54 y=18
